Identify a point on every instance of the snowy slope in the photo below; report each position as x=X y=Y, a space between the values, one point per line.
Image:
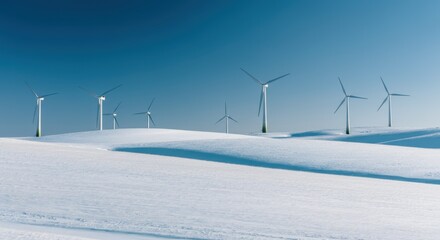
x=109 y=139
x=346 y=158
x=421 y=138
x=71 y=187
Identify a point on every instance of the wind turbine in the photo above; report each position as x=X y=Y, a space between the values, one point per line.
x=38 y=106
x=347 y=105
x=390 y=117
x=114 y=115
x=263 y=96
x=148 y=114
x=227 y=117
x=101 y=99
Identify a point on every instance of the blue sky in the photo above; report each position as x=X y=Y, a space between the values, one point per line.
x=188 y=54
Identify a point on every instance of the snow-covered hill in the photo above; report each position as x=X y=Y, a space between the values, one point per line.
x=334 y=157
x=421 y=138
x=180 y=184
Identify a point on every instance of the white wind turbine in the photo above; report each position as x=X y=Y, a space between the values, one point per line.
x=263 y=96
x=389 y=95
x=347 y=105
x=101 y=99
x=38 y=108
x=114 y=114
x=227 y=117
x=148 y=114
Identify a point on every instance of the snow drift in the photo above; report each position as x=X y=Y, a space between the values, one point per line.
x=332 y=157
x=73 y=186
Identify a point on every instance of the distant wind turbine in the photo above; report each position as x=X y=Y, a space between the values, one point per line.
x=227 y=117
x=114 y=114
x=389 y=95
x=148 y=114
x=38 y=106
x=347 y=105
x=101 y=99
x=263 y=96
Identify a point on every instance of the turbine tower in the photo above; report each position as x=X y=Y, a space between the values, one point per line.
x=38 y=108
x=227 y=117
x=101 y=99
x=148 y=114
x=114 y=115
x=263 y=96
x=389 y=95
x=347 y=105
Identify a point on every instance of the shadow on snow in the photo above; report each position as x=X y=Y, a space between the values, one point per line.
x=384 y=137
x=223 y=158
x=429 y=138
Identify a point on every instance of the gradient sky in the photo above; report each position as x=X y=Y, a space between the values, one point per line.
x=188 y=55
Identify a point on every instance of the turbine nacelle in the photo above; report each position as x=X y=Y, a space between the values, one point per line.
x=114 y=115
x=263 y=98
x=100 y=98
x=346 y=100
x=147 y=113
x=388 y=98
x=38 y=108
x=226 y=117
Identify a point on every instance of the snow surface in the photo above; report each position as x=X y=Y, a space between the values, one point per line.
x=335 y=157
x=183 y=185
x=421 y=138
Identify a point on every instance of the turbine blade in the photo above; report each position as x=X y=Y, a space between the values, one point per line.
x=35 y=112
x=88 y=92
x=232 y=119
x=107 y=114
x=117 y=107
x=226 y=109
x=47 y=95
x=220 y=119
x=150 y=104
x=254 y=78
x=273 y=80
x=116 y=120
x=111 y=90
x=352 y=96
x=399 y=95
x=342 y=85
x=32 y=90
x=383 y=103
x=261 y=100
x=385 y=86
x=340 y=105
x=149 y=115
